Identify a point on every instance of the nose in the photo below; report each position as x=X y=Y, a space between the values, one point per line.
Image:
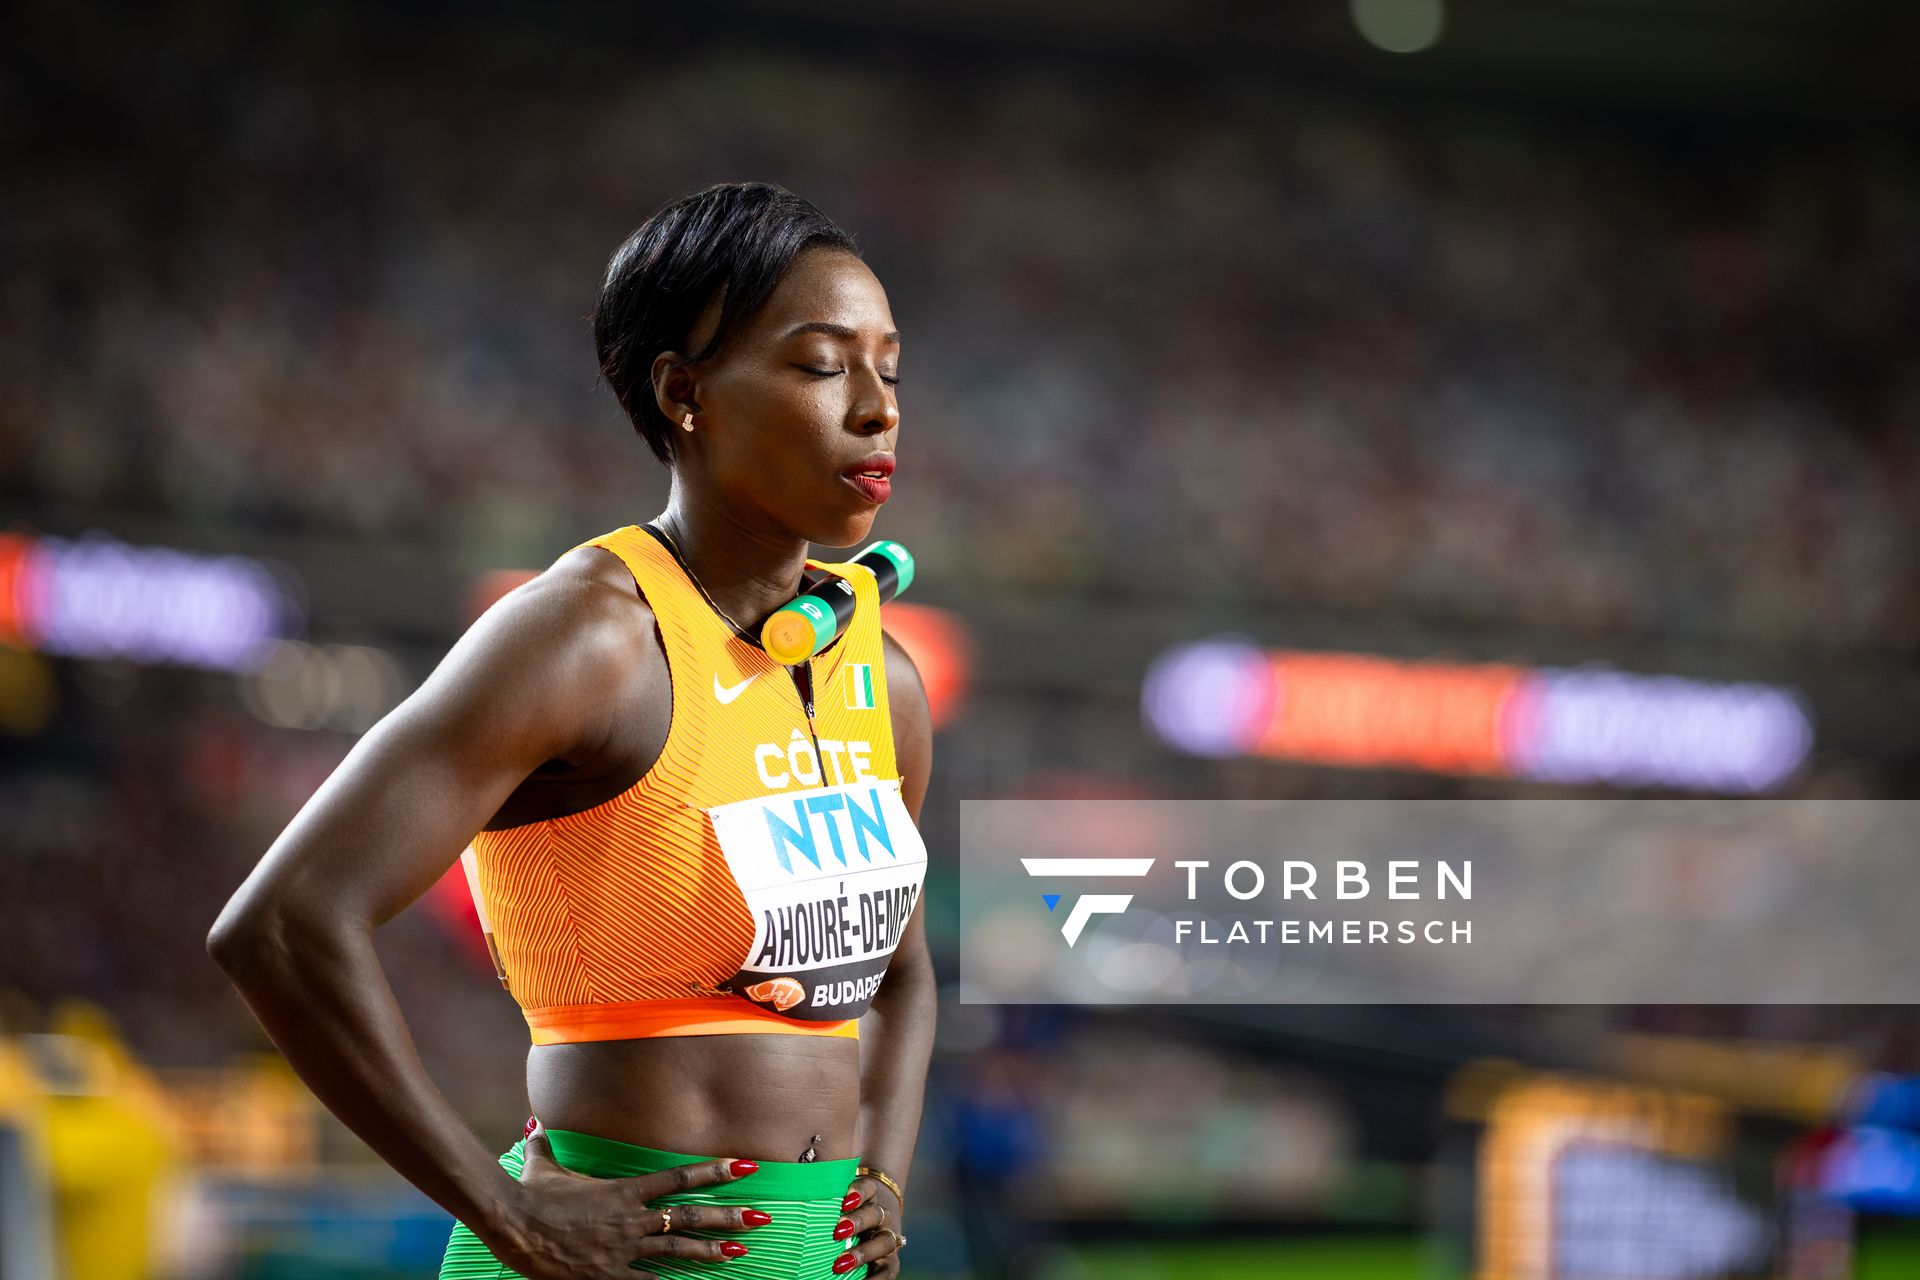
x=876 y=412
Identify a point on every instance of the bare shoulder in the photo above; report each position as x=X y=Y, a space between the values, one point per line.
x=561 y=648
x=587 y=601
x=593 y=579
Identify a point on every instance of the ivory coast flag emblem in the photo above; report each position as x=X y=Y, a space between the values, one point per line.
x=859 y=682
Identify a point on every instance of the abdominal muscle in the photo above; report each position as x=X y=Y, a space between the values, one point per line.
x=760 y=1096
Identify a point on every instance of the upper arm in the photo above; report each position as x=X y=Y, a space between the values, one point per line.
x=526 y=684
x=913 y=757
x=912 y=725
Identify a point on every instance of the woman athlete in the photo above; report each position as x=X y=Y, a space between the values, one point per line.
x=697 y=865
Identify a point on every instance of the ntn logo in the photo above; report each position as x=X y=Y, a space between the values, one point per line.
x=796 y=824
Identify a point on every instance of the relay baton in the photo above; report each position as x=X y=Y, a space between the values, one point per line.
x=809 y=623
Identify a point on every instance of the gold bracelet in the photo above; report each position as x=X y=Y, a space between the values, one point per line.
x=866 y=1171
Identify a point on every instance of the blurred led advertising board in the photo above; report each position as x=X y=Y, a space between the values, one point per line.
x=1228 y=697
x=101 y=598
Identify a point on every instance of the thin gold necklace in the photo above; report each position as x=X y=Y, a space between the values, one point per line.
x=674 y=547
x=801 y=670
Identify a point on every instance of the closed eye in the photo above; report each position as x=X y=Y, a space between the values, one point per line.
x=834 y=373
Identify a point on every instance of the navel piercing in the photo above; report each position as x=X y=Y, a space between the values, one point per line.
x=810 y=1155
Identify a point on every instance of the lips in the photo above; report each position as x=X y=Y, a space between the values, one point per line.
x=871 y=477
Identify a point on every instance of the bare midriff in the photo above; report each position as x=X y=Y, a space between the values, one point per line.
x=759 y=1096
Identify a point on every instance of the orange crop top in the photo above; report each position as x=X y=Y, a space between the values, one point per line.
x=756 y=879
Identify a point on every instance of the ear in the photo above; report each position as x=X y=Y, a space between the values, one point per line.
x=675 y=389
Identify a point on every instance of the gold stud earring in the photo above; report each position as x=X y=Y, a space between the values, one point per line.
x=687 y=422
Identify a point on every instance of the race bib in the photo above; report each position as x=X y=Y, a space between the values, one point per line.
x=832 y=876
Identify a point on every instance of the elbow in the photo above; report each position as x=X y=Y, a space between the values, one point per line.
x=240 y=938
x=233 y=935
x=246 y=939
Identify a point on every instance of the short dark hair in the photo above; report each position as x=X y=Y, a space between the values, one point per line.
x=734 y=236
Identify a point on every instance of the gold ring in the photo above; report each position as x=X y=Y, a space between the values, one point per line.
x=899 y=1241
x=883 y=1215
x=666 y=1221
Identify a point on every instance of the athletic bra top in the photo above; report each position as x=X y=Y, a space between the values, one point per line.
x=756 y=879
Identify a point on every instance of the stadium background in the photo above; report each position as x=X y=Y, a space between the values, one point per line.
x=1580 y=338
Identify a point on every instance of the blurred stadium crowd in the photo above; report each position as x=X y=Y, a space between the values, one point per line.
x=1269 y=349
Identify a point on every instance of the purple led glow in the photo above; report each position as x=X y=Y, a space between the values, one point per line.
x=1212 y=698
x=1628 y=730
x=99 y=598
x=1219 y=697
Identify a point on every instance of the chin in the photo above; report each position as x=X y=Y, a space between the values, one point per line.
x=853 y=531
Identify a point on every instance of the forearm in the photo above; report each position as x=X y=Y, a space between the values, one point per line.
x=896 y=1042
x=321 y=995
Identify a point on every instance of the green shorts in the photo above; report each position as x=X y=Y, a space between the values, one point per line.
x=804 y=1200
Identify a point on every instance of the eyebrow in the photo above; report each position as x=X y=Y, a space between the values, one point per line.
x=835 y=331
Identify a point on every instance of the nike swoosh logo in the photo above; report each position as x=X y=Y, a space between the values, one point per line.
x=725 y=694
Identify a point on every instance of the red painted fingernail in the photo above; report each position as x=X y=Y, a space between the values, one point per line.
x=844 y=1263
x=733 y=1249
x=741 y=1168
x=851 y=1203
x=755 y=1217
x=844 y=1230
x=532 y=1124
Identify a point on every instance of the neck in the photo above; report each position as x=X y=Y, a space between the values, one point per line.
x=747 y=572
